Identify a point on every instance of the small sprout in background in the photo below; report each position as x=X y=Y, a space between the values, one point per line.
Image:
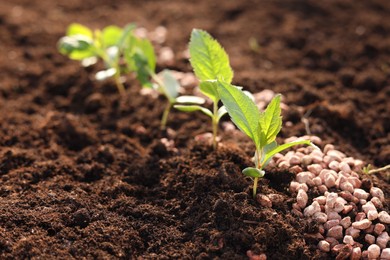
x=169 y=87
x=109 y=44
x=261 y=127
x=141 y=58
x=368 y=169
x=211 y=64
x=254 y=45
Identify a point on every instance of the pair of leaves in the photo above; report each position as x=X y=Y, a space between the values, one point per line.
x=261 y=127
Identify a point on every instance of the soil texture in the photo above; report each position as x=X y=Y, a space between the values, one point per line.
x=87 y=173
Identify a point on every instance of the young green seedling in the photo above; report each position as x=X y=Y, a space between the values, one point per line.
x=261 y=127
x=141 y=59
x=211 y=64
x=169 y=87
x=109 y=44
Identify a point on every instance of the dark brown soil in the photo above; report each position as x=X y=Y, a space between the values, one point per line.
x=83 y=172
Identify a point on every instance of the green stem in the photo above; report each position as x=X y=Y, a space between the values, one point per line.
x=119 y=84
x=113 y=64
x=255 y=181
x=258 y=166
x=215 y=125
x=160 y=83
x=164 y=118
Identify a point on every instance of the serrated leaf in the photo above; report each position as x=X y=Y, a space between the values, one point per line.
x=171 y=85
x=242 y=110
x=271 y=121
x=253 y=172
x=208 y=59
x=283 y=147
x=190 y=100
x=79 y=29
x=209 y=88
x=110 y=36
x=193 y=108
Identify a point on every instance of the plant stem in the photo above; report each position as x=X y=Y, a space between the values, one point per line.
x=164 y=118
x=114 y=64
x=167 y=109
x=379 y=169
x=215 y=125
x=119 y=84
x=258 y=166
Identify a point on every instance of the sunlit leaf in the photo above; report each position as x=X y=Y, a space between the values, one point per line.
x=253 y=172
x=208 y=58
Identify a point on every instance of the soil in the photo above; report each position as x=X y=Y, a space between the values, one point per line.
x=84 y=172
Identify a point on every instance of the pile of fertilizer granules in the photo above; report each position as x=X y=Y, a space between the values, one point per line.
x=351 y=217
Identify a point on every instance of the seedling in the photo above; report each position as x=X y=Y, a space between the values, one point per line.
x=261 y=127
x=368 y=169
x=140 y=58
x=169 y=87
x=211 y=64
x=109 y=44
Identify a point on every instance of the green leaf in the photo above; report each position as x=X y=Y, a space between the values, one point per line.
x=221 y=112
x=77 y=47
x=145 y=49
x=111 y=36
x=171 y=85
x=126 y=37
x=271 y=121
x=242 y=110
x=193 y=108
x=209 y=88
x=250 y=95
x=129 y=52
x=142 y=70
x=190 y=100
x=283 y=147
x=208 y=59
x=79 y=29
x=142 y=60
x=253 y=172
x=269 y=147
